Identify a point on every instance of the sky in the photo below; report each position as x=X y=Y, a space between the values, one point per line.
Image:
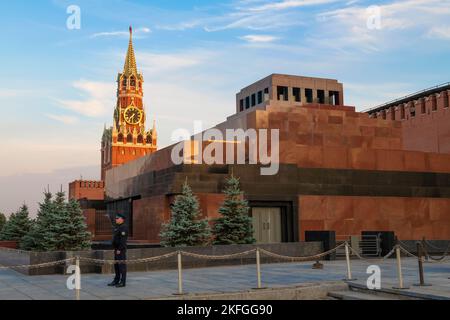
x=57 y=89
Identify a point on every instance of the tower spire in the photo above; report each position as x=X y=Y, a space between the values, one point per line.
x=130 y=61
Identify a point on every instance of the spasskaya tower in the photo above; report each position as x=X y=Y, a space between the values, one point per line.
x=128 y=138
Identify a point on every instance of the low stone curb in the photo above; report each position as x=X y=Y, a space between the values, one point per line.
x=306 y=291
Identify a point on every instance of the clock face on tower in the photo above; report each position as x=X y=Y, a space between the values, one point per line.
x=132 y=115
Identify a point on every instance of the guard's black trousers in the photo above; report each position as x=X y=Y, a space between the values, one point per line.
x=120 y=268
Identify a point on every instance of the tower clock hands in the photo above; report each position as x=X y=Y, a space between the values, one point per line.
x=132 y=115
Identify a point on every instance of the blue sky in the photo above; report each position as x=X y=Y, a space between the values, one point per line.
x=58 y=85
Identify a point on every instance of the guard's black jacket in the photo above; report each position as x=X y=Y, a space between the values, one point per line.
x=120 y=237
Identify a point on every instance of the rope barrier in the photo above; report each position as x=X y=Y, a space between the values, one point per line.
x=434 y=247
x=307 y=258
x=212 y=257
x=429 y=256
x=221 y=257
x=402 y=243
x=172 y=254
x=405 y=251
x=356 y=253
x=40 y=265
x=143 y=260
x=442 y=259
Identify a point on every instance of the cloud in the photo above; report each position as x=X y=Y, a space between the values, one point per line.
x=137 y=32
x=9 y=93
x=259 y=38
x=180 y=26
x=98 y=98
x=401 y=22
x=63 y=119
x=287 y=4
x=441 y=32
x=251 y=15
x=155 y=63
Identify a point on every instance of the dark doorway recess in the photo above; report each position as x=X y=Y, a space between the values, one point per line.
x=125 y=207
x=287 y=216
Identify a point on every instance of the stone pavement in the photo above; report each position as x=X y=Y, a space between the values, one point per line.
x=147 y=285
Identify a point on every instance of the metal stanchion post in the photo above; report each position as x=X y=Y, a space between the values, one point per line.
x=347 y=257
x=423 y=244
x=77 y=278
x=180 y=276
x=258 y=269
x=399 y=269
x=420 y=261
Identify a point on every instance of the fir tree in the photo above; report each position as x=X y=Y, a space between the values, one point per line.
x=18 y=225
x=59 y=225
x=2 y=221
x=184 y=228
x=79 y=236
x=57 y=233
x=36 y=239
x=235 y=225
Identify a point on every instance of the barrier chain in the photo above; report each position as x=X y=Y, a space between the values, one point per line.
x=308 y=258
x=434 y=247
x=436 y=260
x=405 y=251
x=40 y=265
x=143 y=260
x=356 y=253
x=213 y=257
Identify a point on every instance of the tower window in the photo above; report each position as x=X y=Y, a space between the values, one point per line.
x=132 y=82
x=253 y=100
x=124 y=82
x=321 y=96
x=266 y=94
x=140 y=139
x=247 y=102
x=309 y=95
x=334 y=98
x=296 y=94
x=241 y=105
x=260 y=97
x=129 y=138
x=282 y=93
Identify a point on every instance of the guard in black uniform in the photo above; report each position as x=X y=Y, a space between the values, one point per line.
x=119 y=244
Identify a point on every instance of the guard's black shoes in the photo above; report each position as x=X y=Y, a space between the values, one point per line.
x=113 y=284
x=120 y=285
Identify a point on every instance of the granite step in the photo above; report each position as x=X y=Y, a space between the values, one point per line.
x=355 y=295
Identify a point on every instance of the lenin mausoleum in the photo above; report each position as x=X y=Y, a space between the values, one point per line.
x=386 y=169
